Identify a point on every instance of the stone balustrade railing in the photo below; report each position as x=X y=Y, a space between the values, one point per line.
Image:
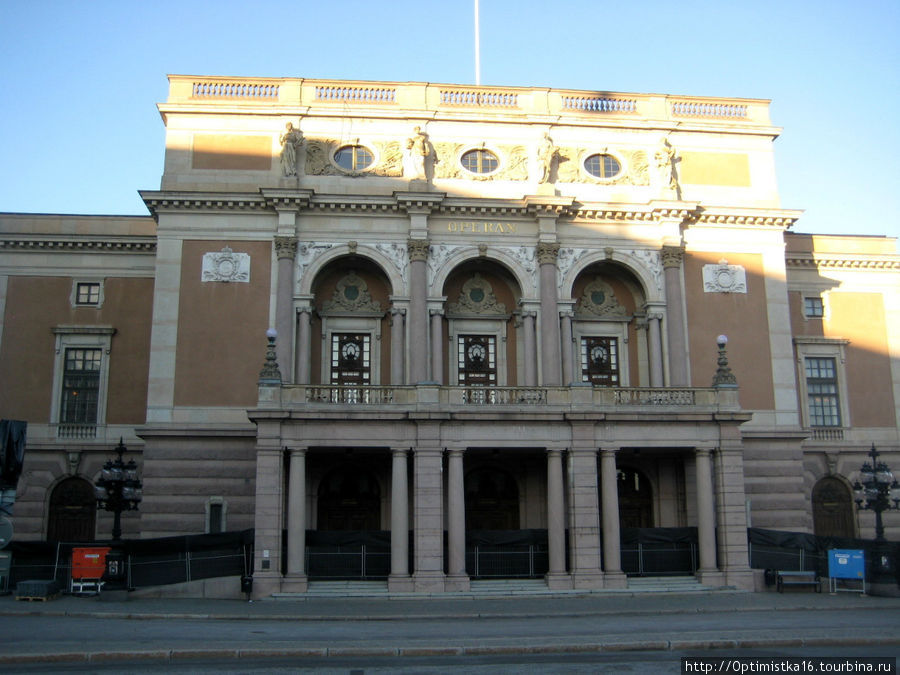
x=426 y=97
x=595 y=398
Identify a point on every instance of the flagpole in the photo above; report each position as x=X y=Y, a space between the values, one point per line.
x=477 y=48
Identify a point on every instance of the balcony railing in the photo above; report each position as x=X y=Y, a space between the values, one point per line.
x=627 y=398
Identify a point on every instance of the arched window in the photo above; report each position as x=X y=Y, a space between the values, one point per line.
x=72 y=511
x=832 y=509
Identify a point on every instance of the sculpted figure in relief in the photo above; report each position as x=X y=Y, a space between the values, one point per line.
x=547 y=156
x=420 y=155
x=290 y=140
x=665 y=165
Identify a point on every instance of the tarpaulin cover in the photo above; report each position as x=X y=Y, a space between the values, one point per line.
x=12 y=452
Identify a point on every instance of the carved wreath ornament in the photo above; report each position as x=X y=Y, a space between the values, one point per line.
x=227 y=266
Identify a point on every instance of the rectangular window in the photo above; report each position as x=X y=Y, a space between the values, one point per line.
x=80 y=386
x=600 y=361
x=813 y=307
x=87 y=293
x=822 y=392
x=477 y=359
x=215 y=518
x=350 y=365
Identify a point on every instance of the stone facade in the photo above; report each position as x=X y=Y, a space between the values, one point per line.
x=494 y=309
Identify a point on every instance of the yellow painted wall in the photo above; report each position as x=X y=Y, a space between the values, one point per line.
x=231 y=151
x=714 y=168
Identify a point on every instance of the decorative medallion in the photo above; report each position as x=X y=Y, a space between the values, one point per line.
x=351 y=295
x=477 y=297
x=724 y=278
x=598 y=299
x=226 y=265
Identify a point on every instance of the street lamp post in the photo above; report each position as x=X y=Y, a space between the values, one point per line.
x=118 y=488
x=874 y=491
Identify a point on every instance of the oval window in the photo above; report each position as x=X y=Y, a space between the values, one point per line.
x=353 y=158
x=480 y=161
x=602 y=166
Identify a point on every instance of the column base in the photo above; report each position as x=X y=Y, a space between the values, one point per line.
x=615 y=580
x=740 y=579
x=457 y=583
x=265 y=584
x=428 y=582
x=587 y=580
x=558 y=581
x=400 y=583
x=713 y=578
x=293 y=583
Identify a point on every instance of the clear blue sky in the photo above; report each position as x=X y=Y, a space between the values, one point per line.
x=80 y=80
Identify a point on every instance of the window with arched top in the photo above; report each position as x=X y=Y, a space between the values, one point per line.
x=832 y=509
x=72 y=514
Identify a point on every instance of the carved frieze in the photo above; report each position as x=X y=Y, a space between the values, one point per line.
x=599 y=300
x=351 y=295
x=724 y=278
x=477 y=297
x=226 y=266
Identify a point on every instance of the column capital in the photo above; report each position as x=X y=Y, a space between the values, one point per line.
x=400 y=451
x=455 y=452
x=417 y=249
x=300 y=452
x=704 y=452
x=552 y=452
x=608 y=452
x=285 y=247
x=672 y=256
x=547 y=252
x=436 y=312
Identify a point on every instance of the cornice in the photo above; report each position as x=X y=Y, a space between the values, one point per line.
x=79 y=244
x=162 y=201
x=770 y=218
x=807 y=261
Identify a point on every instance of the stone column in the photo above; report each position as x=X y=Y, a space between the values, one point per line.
x=399 y=579
x=550 y=343
x=398 y=333
x=585 y=549
x=437 y=343
x=418 y=310
x=556 y=522
x=296 y=516
x=654 y=337
x=304 y=332
x=672 y=257
x=568 y=372
x=609 y=497
x=285 y=251
x=428 y=515
x=706 y=517
x=269 y=509
x=530 y=356
x=456 y=522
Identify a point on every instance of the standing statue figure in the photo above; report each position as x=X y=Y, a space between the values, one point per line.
x=291 y=140
x=421 y=154
x=546 y=157
x=665 y=165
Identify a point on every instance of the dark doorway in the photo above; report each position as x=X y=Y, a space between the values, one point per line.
x=73 y=511
x=832 y=509
x=349 y=499
x=635 y=498
x=492 y=500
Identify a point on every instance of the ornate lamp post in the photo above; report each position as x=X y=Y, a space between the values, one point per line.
x=118 y=488
x=874 y=491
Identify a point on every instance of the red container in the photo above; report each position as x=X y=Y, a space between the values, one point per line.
x=89 y=563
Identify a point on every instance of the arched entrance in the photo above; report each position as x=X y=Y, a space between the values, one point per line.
x=635 y=498
x=72 y=511
x=349 y=499
x=832 y=509
x=492 y=500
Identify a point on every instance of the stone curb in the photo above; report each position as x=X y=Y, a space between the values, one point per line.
x=170 y=655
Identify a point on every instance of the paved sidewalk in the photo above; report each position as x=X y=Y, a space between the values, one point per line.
x=717 y=607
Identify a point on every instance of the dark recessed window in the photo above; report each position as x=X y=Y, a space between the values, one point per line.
x=353 y=158
x=813 y=307
x=87 y=293
x=480 y=161
x=602 y=166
